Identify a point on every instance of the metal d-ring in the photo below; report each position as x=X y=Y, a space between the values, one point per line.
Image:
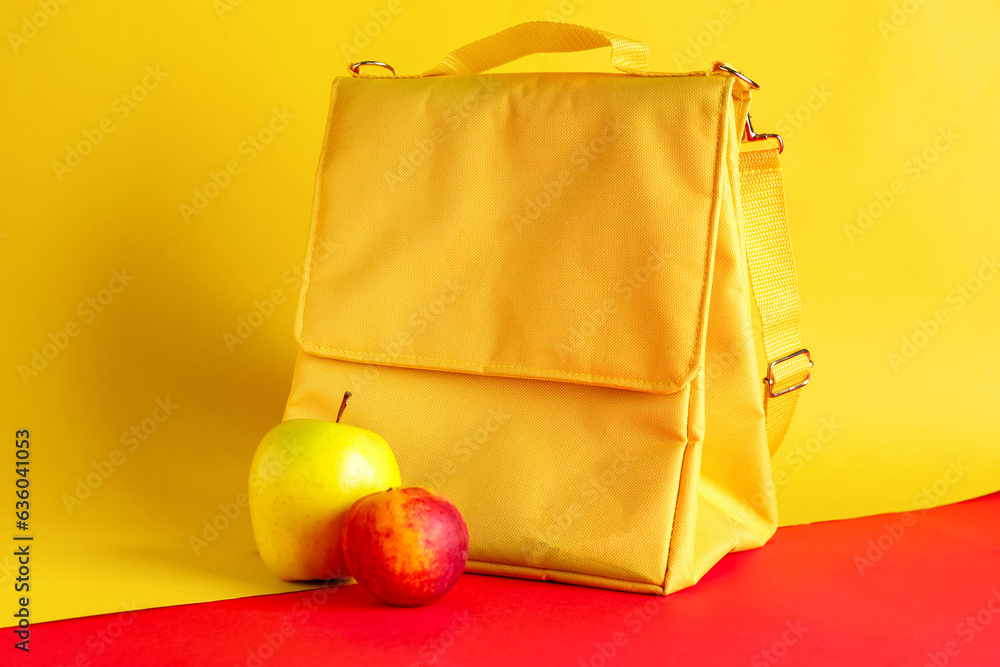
x=356 y=67
x=738 y=74
x=748 y=131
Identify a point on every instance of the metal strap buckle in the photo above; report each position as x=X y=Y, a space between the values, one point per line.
x=750 y=135
x=770 y=380
x=748 y=132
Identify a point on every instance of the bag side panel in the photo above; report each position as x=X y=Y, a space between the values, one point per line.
x=737 y=502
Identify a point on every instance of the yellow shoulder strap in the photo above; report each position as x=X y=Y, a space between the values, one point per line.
x=775 y=290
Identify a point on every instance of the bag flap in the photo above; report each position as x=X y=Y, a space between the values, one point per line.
x=549 y=226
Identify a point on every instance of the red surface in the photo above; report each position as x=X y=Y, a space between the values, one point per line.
x=929 y=589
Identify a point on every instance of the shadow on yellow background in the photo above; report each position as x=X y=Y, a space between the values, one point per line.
x=157 y=183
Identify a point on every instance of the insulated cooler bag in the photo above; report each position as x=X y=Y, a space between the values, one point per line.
x=542 y=290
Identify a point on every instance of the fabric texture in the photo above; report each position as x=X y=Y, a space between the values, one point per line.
x=540 y=296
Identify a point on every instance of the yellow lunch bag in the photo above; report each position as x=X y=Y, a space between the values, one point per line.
x=556 y=296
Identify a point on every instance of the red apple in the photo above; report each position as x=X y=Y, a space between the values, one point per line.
x=406 y=546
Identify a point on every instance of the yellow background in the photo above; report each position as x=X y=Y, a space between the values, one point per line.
x=859 y=90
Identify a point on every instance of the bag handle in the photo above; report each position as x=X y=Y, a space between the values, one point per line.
x=627 y=55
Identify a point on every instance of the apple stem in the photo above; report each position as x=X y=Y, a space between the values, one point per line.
x=343 y=404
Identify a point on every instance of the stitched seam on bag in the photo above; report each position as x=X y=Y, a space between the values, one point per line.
x=655 y=75
x=314 y=218
x=713 y=228
x=464 y=365
x=476 y=566
x=721 y=161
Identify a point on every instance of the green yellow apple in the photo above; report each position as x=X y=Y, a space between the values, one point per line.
x=304 y=477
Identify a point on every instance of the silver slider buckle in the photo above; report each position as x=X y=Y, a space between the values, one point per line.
x=770 y=380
